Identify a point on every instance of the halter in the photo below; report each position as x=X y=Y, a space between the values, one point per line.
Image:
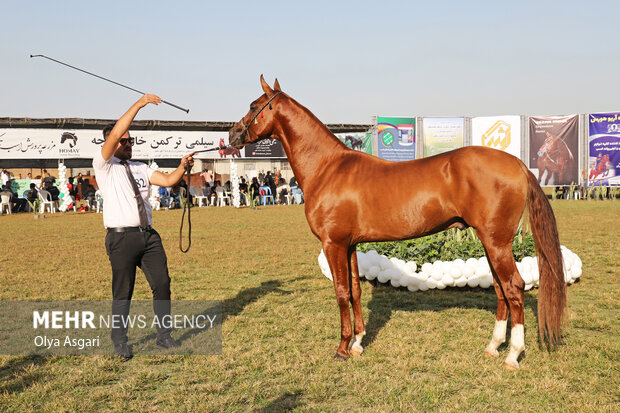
x=246 y=126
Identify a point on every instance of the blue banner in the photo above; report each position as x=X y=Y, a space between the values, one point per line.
x=604 y=155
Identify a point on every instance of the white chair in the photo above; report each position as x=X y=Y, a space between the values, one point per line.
x=46 y=201
x=198 y=196
x=222 y=196
x=5 y=202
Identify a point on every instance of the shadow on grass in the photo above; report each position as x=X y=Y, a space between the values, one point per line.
x=231 y=307
x=385 y=300
x=285 y=403
x=17 y=375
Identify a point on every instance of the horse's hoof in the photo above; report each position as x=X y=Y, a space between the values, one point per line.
x=511 y=367
x=355 y=351
x=340 y=357
x=493 y=354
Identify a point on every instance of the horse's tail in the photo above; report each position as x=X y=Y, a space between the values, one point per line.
x=552 y=291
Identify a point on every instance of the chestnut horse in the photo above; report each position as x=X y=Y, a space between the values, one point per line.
x=555 y=158
x=474 y=186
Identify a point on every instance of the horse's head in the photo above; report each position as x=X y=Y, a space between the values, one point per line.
x=259 y=122
x=69 y=136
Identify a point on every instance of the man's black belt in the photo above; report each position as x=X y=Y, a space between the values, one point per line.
x=131 y=229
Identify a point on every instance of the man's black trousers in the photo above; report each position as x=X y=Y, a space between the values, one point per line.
x=128 y=250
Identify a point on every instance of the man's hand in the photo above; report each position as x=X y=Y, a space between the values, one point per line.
x=171 y=179
x=146 y=99
x=187 y=159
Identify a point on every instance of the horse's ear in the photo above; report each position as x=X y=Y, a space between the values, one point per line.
x=276 y=86
x=266 y=88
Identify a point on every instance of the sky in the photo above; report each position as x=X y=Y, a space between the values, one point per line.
x=345 y=61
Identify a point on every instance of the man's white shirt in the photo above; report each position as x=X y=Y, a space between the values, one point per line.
x=120 y=208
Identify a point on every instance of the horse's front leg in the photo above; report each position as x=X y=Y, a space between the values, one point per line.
x=356 y=293
x=338 y=259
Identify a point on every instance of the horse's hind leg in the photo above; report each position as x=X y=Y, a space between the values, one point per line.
x=503 y=264
x=356 y=293
x=501 y=319
x=338 y=259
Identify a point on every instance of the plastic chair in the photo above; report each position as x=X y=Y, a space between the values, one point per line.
x=265 y=195
x=5 y=201
x=164 y=197
x=46 y=201
x=222 y=196
x=298 y=194
x=198 y=196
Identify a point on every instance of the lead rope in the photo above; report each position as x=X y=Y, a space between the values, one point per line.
x=187 y=207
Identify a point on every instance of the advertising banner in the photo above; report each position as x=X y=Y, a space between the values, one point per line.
x=84 y=143
x=442 y=134
x=265 y=148
x=554 y=149
x=396 y=138
x=498 y=132
x=357 y=141
x=604 y=149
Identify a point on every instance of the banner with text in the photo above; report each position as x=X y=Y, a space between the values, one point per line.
x=498 y=132
x=396 y=138
x=80 y=327
x=604 y=154
x=442 y=135
x=554 y=149
x=357 y=141
x=84 y=143
x=265 y=148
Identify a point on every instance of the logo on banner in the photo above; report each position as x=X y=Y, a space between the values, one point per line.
x=498 y=136
x=68 y=139
x=388 y=138
x=613 y=128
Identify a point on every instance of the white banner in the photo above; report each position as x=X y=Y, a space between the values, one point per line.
x=84 y=143
x=498 y=132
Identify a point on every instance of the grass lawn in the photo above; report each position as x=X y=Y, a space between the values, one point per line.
x=281 y=327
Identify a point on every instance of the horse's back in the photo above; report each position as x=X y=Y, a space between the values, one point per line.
x=377 y=199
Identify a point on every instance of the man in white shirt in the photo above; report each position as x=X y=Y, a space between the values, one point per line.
x=131 y=241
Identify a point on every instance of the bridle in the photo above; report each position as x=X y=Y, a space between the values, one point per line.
x=246 y=126
x=188 y=169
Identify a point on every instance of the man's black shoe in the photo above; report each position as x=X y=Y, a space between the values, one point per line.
x=167 y=342
x=123 y=351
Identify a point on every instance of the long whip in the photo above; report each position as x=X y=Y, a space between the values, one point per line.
x=106 y=79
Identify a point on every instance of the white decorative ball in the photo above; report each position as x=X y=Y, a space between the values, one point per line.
x=461 y=282
x=427 y=268
x=447 y=280
x=431 y=283
x=473 y=282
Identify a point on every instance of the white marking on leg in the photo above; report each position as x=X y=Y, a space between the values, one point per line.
x=517 y=345
x=356 y=347
x=499 y=337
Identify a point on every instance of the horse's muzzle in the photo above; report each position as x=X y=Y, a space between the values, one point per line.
x=236 y=136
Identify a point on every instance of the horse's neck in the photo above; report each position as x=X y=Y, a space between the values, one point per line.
x=307 y=142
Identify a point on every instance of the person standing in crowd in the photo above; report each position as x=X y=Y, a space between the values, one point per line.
x=255 y=189
x=4 y=176
x=131 y=241
x=208 y=177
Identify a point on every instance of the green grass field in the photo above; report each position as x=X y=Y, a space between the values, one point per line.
x=423 y=350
